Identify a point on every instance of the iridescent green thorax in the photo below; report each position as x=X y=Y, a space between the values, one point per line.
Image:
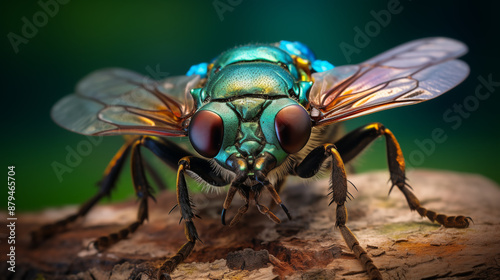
x=267 y=53
x=249 y=78
x=263 y=79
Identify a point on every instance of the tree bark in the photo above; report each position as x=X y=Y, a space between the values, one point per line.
x=402 y=244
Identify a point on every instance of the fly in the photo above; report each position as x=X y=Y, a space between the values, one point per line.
x=254 y=115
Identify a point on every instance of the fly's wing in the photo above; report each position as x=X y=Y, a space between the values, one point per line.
x=413 y=72
x=118 y=101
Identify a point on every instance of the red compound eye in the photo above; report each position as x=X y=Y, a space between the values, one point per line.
x=206 y=132
x=293 y=128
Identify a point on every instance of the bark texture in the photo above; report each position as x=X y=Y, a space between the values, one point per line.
x=402 y=244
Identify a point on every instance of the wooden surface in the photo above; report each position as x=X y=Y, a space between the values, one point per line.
x=402 y=245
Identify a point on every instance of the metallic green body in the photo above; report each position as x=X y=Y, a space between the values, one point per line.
x=247 y=86
x=267 y=53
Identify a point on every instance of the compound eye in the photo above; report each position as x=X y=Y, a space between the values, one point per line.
x=206 y=132
x=293 y=128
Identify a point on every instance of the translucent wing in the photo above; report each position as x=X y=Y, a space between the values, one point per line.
x=413 y=72
x=118 y=101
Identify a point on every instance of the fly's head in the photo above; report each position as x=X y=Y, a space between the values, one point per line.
x=252 y=115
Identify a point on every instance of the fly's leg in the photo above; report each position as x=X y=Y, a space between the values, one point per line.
x=168 y=152
x=263 y=164
x=227 y=202
x=143 y=191
x=150 y=169
x=240 y=167
x=309 y=166
x=241 y=211
x=107 y=183
x=353 y=143
x=278 y=186
x=186 y=209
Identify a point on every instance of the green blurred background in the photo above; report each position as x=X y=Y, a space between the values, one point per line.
x=170 y=36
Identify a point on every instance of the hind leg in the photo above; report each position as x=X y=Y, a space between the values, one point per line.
x=106 y=185
x=353 y=143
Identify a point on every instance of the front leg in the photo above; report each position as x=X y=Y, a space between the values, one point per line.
x=201 y=168
x=186 y=209
x=338 y=187
x=166 y=150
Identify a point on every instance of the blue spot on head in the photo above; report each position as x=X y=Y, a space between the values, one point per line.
x=297 y=48
x=198 y=69
x=321 y=65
